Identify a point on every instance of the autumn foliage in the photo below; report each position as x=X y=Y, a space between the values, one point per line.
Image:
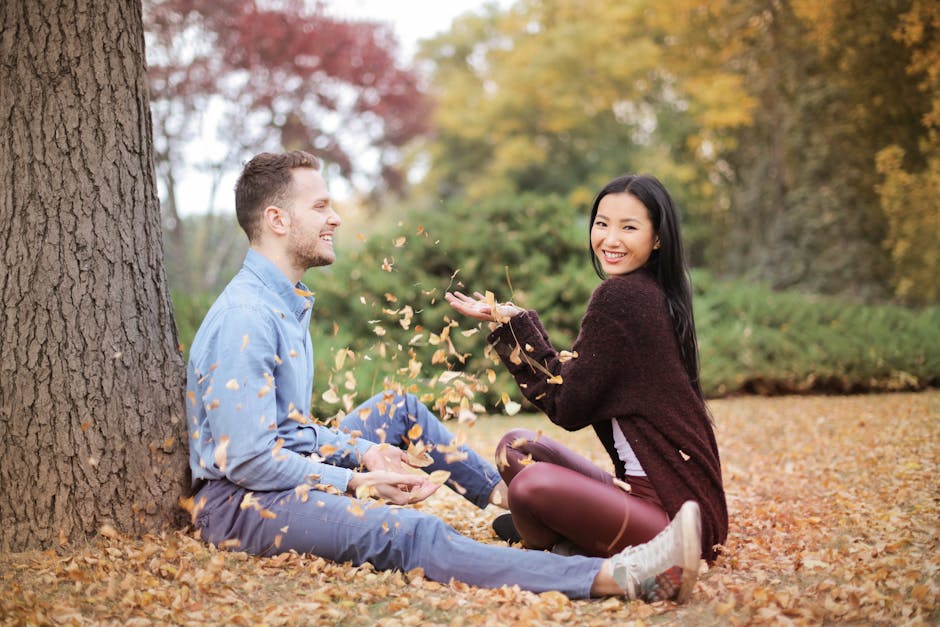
x=310 y=79
x=833 y=520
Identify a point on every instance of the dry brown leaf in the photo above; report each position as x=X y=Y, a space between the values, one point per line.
x=856 y=552
x=355 y=509
x=566 y=356
x=221 y=452
x=439 y=476
x=514 y=356
x=415 y=432
x=418 y=455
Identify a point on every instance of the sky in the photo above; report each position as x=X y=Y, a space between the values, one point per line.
x=411 y=20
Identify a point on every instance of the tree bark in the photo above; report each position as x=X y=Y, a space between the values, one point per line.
x=92 y=426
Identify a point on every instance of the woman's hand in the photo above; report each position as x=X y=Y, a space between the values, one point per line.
x=481 y=307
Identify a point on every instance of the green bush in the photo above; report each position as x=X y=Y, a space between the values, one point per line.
x=530 y=249
x=753 y=339
x=380 y=315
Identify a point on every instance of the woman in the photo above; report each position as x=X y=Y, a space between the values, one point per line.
x=632 y=375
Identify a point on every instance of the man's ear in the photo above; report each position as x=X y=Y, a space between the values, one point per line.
x=276 y=219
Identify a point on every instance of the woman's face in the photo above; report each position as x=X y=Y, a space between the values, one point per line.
x=622 y=235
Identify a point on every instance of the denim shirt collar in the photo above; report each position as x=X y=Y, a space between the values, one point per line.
x=297 y=298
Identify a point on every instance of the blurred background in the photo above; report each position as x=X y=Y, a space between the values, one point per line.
x=464 y=143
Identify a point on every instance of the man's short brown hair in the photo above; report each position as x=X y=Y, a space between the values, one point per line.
x=266 y=180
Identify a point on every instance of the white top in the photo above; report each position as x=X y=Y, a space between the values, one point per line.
x=625 y=452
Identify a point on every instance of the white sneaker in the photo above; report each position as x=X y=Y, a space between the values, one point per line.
x=567 y=548
x=666 y=567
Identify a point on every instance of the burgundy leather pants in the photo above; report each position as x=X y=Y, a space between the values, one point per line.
x=556 y=494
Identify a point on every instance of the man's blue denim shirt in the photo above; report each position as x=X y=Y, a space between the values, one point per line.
x=248 y=389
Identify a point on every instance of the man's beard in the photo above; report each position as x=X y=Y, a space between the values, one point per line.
x=306 y=254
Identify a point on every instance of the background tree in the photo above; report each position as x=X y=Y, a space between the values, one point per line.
x=91 y=403
x=910 y=197
x=273 y=76
x=832 y=89
x=764 y=117
x=557 y=96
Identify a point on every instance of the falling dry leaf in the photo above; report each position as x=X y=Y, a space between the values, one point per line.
x=448 y=376
x=366 y=491
x=355 y=509
x=439 y=476
x=221 y=451
x=456 y=456
x=296 y=416
x=276 y=451
x=415 y=432
x=623 y=485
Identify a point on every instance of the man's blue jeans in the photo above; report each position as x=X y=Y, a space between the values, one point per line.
x=388 y=418
x=341 y=528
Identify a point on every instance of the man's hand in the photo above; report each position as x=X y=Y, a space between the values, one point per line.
x=395 y=487
x=385 y=457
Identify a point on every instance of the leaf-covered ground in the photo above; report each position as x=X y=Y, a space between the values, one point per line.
x=835 y=517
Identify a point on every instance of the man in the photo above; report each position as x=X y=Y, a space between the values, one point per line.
x=268 y=479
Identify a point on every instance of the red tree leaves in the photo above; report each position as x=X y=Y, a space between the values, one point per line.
x=289 y=76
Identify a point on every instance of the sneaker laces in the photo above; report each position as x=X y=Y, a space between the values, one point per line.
x=627 y=564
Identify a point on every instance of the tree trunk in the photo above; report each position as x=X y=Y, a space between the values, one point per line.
x=91 y=379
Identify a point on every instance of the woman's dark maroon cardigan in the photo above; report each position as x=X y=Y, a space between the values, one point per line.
x=629 y=367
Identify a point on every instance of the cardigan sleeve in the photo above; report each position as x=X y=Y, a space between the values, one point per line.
x=577 y=391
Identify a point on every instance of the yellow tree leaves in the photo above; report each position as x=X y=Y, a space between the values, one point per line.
x=911 y=203
x=910 y=200
x=545 y=79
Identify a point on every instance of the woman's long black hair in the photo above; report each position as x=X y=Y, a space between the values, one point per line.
x=667 y=263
